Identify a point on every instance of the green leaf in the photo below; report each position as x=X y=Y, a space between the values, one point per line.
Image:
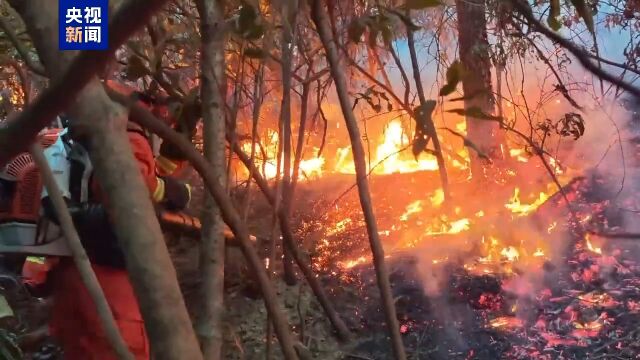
x=421 y=4
x=5 y=308
x=474 y=112
x=356 y=29
x=585 y=13
x=454 y=74
x=554 y=12
x=255 y=53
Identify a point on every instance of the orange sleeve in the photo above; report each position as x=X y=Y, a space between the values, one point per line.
x=144 y=155
x=169 y=167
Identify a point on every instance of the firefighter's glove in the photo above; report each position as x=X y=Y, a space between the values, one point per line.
x=177 y=195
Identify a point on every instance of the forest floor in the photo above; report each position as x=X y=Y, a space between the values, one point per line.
x=585 y=303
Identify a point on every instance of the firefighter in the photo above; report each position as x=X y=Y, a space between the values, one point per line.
x=74 y=321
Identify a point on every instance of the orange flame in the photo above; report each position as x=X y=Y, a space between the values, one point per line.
x=520 y=209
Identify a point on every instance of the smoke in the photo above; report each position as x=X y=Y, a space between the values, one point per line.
x=605 y=150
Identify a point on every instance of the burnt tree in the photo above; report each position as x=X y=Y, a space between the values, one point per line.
x=476 y=82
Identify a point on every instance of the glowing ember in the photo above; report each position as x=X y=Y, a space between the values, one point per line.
x=437 y=198
x=449 y=227
x=413 y=208
x=538 y=253
x=519 y=154
x=505 y=322
x=339 y=227
x=351 y=263
x=555 y=166
x=593 y=325
x=593 y=299
x=590 y=246
x=517 y=207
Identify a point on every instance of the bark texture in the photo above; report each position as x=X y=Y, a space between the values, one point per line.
x=212 y=249
x=289 y=9
x=476 y=82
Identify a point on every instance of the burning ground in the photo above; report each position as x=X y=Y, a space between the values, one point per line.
x=509 y=269
x=521 y=282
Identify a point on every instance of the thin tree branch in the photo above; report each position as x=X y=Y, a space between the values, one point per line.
x=581 y=55
x=561 y=87
x=323 y=27
x=427 y=121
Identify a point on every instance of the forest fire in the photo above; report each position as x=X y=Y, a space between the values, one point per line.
x=510 y=236
x=401 y=180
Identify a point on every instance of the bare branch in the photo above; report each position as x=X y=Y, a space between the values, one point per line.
x=581 y=55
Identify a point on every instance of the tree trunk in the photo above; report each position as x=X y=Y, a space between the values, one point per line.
x=320 y=19
x=212 y=249
x=304 y=106
x=289 y=9
x=476 y=82
x=150 y=269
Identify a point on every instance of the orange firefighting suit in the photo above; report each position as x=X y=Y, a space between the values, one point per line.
x=75 y=322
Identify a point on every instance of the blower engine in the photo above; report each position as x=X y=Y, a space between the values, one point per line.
x=20 y=190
